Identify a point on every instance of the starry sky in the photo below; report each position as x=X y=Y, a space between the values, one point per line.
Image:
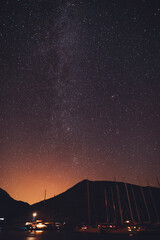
x=79 y=94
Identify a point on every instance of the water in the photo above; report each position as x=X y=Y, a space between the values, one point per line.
x=52 y=235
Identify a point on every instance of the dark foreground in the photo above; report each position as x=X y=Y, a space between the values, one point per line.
x=51 y=235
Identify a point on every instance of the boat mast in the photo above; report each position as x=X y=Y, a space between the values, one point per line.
x=105 y=194
x=138 y=215
x=119 y=201
x=158 y=181
x=114 y=208
x=130 y=208
x=145 y=203
x=45 y=194
x=153 y=202
x=44 y=204
x=89 y=217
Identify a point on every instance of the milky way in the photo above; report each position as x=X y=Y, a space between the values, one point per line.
x=80 y=94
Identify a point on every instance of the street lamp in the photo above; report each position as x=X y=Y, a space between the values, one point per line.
x=34 y=216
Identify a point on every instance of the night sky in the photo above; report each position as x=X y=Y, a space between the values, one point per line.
x=79 y=94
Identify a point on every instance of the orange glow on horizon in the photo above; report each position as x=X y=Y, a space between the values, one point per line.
x=29 y=184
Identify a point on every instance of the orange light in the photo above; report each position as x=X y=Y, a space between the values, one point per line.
x=41 y=225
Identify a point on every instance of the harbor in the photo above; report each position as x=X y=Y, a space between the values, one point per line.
x=118 y=215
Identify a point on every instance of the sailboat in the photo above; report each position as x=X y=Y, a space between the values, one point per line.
x=88 y=227
x=126 y=227
x=149 y=227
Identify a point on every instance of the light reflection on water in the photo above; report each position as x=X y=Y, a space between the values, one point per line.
x=30 y=238
x=53 y=235
x=33 y=235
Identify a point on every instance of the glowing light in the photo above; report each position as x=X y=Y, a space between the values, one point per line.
x=34 y=214
x=41 y=225
x=28 y=223
x=39 y=231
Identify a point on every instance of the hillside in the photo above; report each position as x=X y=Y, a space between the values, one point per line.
x=72 y=205
x=11 y=209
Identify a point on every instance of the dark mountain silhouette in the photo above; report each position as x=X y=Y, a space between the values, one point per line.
x=72 y=205
x=11 y=209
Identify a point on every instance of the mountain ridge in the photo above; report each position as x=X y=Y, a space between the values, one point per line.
x=72 y=204
x=10 y=208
